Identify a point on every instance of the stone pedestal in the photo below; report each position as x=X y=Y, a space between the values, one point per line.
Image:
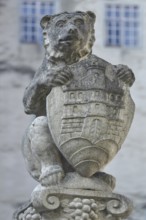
x=76 y=198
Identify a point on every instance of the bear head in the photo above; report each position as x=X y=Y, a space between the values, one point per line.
x=68 y=36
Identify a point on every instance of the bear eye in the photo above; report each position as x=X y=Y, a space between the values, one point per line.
x=44 y=33
x=79 y=22
x=60 y=23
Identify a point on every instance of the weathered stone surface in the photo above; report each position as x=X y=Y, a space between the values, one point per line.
x=92 y=200
x=81 y=128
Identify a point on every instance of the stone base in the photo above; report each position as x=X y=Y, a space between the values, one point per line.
x=76 y=198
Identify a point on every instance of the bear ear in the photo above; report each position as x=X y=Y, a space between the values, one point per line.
x=91 y=15
x=45 y=21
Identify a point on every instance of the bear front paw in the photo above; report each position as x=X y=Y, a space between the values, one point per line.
x=62 y=77
x=125 y=74
x=51 y=175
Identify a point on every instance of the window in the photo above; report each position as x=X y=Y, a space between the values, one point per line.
x=31 y=13
x=122 y=25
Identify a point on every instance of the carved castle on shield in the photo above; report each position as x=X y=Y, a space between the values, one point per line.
x=93 y=109
x=93 y=114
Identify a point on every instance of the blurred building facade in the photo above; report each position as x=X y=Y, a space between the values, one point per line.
x=21 y=38
x=119 y=29
x=120 y=32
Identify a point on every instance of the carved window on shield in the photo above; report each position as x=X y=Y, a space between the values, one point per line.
x=75 y=109
x=72 y=95
x=95 y=129
x=31 y=12
x=97 y=94
x=80 y=95
x=112 y=97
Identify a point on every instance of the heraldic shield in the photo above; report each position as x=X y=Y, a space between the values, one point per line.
x=89 y=118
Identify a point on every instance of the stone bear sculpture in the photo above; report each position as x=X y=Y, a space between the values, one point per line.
x=68 y=41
